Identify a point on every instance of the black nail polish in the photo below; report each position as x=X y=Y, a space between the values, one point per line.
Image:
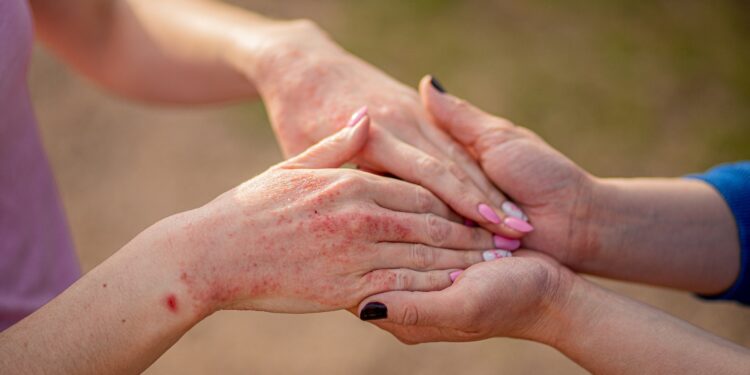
x=436 y=84
x=374 y=311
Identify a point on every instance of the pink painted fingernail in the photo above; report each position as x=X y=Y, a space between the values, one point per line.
x=470 y=223
x=488 y=213
x=495 y=254
x=454 y=275
x=505 y=243
x=518 y=224
x=357 y=116
x=511 y=209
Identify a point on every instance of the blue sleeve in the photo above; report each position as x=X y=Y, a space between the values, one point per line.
x=732 y=181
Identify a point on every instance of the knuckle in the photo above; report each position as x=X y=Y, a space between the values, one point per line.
x=422 y=256
x=459 y=173
x=429 y=166
x=436 y=280
x=402 y=280
x=423 y=199
x=349 y=182
x=409 y=315
x=438 y=229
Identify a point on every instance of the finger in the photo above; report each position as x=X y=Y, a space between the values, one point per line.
x=451 y=150
x=422 y=309
x=403 y=196
x=384 y=280
x=476 y=130
x=337 y=149
x=424 y=258
x=469 y=125
x=445 y=179
x=432 y=230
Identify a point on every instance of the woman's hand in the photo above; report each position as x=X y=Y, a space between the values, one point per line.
x=672 y=232
x=530 y=296
x=509 y=297
x=549 y=187
x=301 y=239
x=309 y=84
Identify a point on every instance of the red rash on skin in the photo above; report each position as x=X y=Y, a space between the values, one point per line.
x=306 y=246
x=171 y=302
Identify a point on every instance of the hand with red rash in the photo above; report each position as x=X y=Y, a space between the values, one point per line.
x=304 y=237
x=309 y=84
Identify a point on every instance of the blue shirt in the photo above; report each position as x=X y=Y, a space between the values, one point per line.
x=732 y=181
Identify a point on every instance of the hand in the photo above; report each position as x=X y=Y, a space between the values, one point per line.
x=554 y=192
x=506 y=297
x=310 y=85
x=300 y=239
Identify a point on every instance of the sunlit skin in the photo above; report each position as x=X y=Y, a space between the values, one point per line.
x=532 y=296
x=125 y=313
x=303 y=236
x=196 y=51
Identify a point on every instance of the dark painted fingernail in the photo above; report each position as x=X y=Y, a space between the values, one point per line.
x=436 y=84
x=374 y=311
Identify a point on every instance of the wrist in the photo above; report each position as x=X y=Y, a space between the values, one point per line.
x=177 y=248
x=567 y=313
x=271 y=54
x=553 y=309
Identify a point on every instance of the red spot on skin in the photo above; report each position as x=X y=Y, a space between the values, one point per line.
x=171 y=302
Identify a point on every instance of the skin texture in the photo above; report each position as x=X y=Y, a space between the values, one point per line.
x=274 y=243
x=531 y=296
x=670 y=232
x=195 y=51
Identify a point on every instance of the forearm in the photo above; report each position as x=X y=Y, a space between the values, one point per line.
x=672 y=232
x=179 y=51
x=118 y=318
x=610 y=334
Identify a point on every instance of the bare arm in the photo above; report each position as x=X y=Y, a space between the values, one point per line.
x=270 y=244
x=530 y=296
x=165 y=51
x=611 y=334
x=671 y=231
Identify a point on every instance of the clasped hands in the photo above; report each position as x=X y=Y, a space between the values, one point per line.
x=306 y=236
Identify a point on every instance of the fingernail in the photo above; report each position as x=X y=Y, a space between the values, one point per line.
x=488 y=213
x=454 y=275
x=374 y=311
x=511 y=209
x=470 y=223
x=495 y=254
x=518 y=224
x=436 y=84
x=357 y=116
x=504 y=243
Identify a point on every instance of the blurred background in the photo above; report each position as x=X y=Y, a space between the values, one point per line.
x=625 y=88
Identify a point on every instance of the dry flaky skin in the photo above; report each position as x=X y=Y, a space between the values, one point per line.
x=299 y=241
x=310 y=86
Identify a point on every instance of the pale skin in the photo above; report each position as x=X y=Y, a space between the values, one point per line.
x=669 y=232
x=197 y=51
x=273 y=244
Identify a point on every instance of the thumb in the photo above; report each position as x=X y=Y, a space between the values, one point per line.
x=413 y=308
x=465 y=122
x=336 y=149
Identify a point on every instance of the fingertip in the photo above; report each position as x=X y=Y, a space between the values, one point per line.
x=373 y=311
